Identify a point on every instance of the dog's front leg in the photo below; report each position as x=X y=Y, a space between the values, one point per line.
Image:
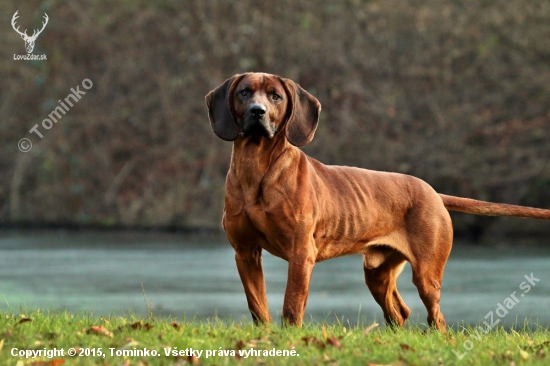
x=300 y=268
x=249 y=264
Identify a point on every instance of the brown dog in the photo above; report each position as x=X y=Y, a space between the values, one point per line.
x=298 y=209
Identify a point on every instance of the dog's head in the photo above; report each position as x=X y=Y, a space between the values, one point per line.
x=261 y=106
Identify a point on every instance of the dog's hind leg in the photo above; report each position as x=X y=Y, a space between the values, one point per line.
x=382 y=266
x=427 y=278
x=430 y=253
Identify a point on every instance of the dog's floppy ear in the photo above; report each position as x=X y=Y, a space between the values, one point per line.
x=303 y=114
x=220 y=109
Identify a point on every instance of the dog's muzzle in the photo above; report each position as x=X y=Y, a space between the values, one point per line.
x=257 y=123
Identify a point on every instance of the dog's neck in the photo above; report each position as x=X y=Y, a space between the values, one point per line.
x=254 y=157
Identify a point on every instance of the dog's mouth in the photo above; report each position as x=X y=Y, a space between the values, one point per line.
x=258 y=128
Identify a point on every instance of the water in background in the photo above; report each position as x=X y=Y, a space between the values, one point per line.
x=194 y=277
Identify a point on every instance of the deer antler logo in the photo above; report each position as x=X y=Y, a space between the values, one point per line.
x=29 y=41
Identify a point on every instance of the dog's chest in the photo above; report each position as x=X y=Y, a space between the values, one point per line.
x=251 y=224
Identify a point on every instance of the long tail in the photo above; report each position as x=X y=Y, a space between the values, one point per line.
x=476 y=207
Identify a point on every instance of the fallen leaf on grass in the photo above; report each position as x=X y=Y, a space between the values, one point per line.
x=538 y=348
x=99 y=329
x=313 y=340
x=253 y=343
x=451 y=340
x=377 y=340
x=141 y=325
x=325 y=333
x=329 y=360
x=24 y=320
x=47 y=363
x=369 y=328
x=524 y=355
x=175 y=325
x=239 y=345
x=506 y=356
x=186 y=360
x=131 y=344
x=136 y=325
x=193 y=360
x=405 y=347
x=333 y=341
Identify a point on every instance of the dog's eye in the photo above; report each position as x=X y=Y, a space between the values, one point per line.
x=244 y=93
x=275 y=97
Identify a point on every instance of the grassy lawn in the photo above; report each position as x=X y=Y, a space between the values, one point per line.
x=130 y=340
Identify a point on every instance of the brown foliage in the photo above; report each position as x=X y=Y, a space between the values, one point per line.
x=456 y=93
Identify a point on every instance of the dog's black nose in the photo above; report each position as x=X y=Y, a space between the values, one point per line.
x=257 y=110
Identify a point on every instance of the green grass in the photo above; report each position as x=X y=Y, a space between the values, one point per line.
x=314 y=343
